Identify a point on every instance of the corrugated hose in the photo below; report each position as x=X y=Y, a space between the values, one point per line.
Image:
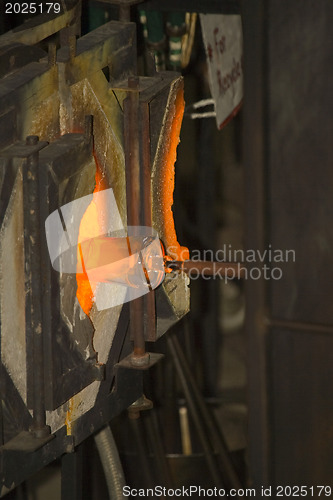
x=112 y=467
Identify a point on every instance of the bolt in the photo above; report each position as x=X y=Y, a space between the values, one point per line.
x=133 y=414
x=139 y=405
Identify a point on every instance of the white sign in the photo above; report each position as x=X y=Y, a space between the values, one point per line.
x=223 y=39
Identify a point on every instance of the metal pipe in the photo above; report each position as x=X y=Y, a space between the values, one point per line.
x=143 y=461
x=170 y=411
x=153 y=432
x=185 y=431
x=137 y=327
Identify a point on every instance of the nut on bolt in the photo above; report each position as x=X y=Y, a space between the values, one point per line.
x=140 y=404
x=140 y=359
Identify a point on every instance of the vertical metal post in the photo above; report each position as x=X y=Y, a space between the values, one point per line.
x=133 y=198
x=145 y=469
x=254 y=148
x=32 y=245
x=153 y=432
x=149 y=298
x=132 y=153
x=71 y=475
x=124 y=13
x=207 y=229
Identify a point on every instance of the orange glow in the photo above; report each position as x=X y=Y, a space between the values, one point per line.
x=89 y=224
x=173 y=249
x=108 y=259
x=132 y=261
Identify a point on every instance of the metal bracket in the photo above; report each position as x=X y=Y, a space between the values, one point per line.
x=148 y=360
x=27 y=442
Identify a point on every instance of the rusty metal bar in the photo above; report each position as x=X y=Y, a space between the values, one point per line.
x=208 y=268
x=149 y=299
x=133 y=197
x=137 y=327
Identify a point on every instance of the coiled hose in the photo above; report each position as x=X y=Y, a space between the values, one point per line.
x=112 y=467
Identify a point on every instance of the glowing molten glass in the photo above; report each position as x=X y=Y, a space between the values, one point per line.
x=88 y=226
x=172 y=247
x=131 y=259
